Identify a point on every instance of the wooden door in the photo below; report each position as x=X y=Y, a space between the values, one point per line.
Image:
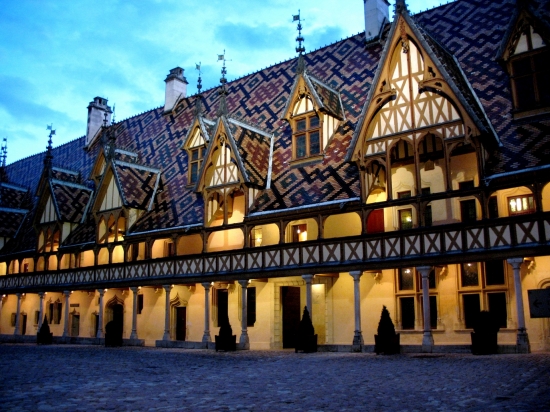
x=75 y=325
x=290 y=300
x=375 y=221
x=181 y=313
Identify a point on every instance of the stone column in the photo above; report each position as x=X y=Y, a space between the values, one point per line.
x=358 y=336
x=427 y=338
x=166 y=335
x=522 y=340
x=134 y=335
x=243 y=340
x=17 y=330
x=308 y=279
x=41 y=309
x=66 y=293
x=100 y=333
x=206 y=337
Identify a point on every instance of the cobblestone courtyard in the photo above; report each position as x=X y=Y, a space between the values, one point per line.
x=87 y=378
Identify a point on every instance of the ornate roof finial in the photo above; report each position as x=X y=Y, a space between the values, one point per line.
x=198 y=100
x=4 y=152
x=301 y=67
x=49 y=155
x=222 y=109
x=114 y=108
x=401 y=7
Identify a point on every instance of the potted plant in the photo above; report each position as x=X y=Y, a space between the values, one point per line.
x=484 y=336
x=44 y=336
x=307 y=339
x=386 y=341
x=226 y=340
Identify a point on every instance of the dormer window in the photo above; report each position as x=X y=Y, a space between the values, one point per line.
x=528 y=65
x=530 y=81
x=196 y=149
x=196 y=155
x=307 y=136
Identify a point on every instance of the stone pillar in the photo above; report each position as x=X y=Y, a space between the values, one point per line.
x=522 y=340
x=66 y=293
x=100 y=333
x=358 y=336
x=244 y=342
x=166 y=335
x=427 y=338
x=206 y=337
x=308 y=279
x=41 y=309
x=134 y=335
x=17 y=330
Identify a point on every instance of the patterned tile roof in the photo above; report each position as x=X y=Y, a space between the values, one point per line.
x=71 y=200
x=11 y=221
x=329 y=98
x=469 y=31
x=137 y=183
x=12 y=196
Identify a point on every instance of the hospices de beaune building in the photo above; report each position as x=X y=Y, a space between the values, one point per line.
x=407 y=166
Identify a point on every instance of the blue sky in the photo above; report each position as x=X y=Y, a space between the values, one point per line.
x=57 y=55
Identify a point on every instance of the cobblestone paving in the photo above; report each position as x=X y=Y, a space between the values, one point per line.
x=89 y=378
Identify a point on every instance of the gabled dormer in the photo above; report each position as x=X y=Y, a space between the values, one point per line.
x=525 y=54
x=314 y=111
x=126 y=190
x=235 y=168
x=14 y=207
x=195 y=144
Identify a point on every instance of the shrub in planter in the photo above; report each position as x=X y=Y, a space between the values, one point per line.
x=226 y=340
x=387 y=341
x=484 y=336
x=306 y=340
x=44 y=336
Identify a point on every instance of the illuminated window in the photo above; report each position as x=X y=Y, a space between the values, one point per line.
x=520 y=205
x=409 y=295
x=307 y=136
x=405 y=219
x=299 y=233
x=483 y=287
x=256 y=236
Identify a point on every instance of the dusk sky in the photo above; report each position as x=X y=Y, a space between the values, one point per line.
x=57 y=55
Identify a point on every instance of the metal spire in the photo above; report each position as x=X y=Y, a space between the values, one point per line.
x=300 y=49
x=198 y=100
x=222 y=109
x=49 y=155
x=4 y=152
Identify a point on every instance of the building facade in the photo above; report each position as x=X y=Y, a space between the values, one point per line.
x=406 y=167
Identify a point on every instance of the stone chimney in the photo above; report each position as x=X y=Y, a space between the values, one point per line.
x=96 y=115
x=377 y=13
x=176 y=88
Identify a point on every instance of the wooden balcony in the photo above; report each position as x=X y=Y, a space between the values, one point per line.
x=519 y=236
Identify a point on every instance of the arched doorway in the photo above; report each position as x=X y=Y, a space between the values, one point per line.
x=114 y=316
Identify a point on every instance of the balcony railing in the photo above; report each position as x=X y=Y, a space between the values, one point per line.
x=526 y=235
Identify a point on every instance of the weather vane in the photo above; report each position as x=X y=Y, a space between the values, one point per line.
x=221 y=57
x=4 y=152
x=300 y=39
x=199 y=81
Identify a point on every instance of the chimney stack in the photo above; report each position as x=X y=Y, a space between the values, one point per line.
x=377 y=13
x=96 y=115
x=176 y=88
